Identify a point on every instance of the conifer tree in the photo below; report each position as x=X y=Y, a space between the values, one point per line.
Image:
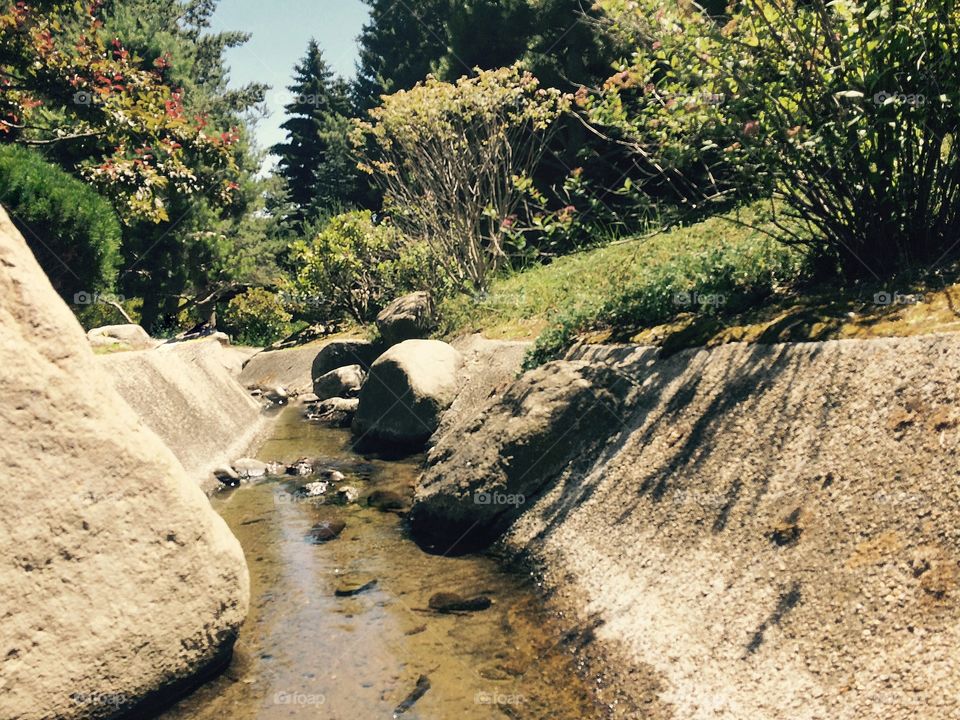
x=316 y=160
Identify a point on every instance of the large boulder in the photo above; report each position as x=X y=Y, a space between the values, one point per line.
x=483 y=472
x=408 y=388
x=130 y=336
x=338 y=353
x=289 y=368
x=407 y=318
x=343 y=382
x=120 y=584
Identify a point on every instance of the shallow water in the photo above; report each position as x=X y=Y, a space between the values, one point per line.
x=306 y=653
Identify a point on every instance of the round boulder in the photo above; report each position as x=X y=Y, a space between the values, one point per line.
x=338 y=353
x=408 y=388
x=406 y=318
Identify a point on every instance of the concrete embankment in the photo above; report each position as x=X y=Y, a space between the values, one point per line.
x=744 y=532
x=190 y=395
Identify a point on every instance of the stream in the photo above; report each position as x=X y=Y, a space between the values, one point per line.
x=305 y=652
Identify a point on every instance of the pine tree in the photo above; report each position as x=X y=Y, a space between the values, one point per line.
x=401 y=44
x=316 y=160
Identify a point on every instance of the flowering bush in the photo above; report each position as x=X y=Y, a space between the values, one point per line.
x=62 y=80
x=455 y=162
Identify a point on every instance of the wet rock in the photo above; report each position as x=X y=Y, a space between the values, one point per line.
x=336 y=412
x=448 y=602
x=277 y=395
x=325 y=531
x=309 y=399
x=408 y=388
x=228 y=476
x=344 y=382
x=250 y=468
x=423 y=684
x=386 y=500
x=314 y=489
x=406 y=318
x=349 y=588
x=301 y=467
x=334 y=476
x=347 y=494
x=277 y=468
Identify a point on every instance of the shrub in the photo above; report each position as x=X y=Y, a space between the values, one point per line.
x=257 y=317
x=72 y=231
x=842 y=108
x=354 y=267
x=456 y=160
x=859 y=113
x=675 y=108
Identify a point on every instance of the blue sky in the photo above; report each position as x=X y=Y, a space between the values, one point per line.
x=281 y=30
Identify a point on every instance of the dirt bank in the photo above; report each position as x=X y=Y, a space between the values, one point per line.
x=771 y=531
x=190 y=395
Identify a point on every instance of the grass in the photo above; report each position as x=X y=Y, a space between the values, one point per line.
x=714 y=266
x=722 y=280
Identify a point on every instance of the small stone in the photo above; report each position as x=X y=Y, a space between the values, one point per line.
x=250 y=468
x=228 y=476
x=314 y=489
x=334 y=476
x=277 y=395
x=325 y=531
x=347 y=494
x=301 y=467
x=386 y=500
x=349 y=589
x=336 y=412
x=447 y=602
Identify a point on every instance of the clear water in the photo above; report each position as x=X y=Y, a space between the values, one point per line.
x=306 y=653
